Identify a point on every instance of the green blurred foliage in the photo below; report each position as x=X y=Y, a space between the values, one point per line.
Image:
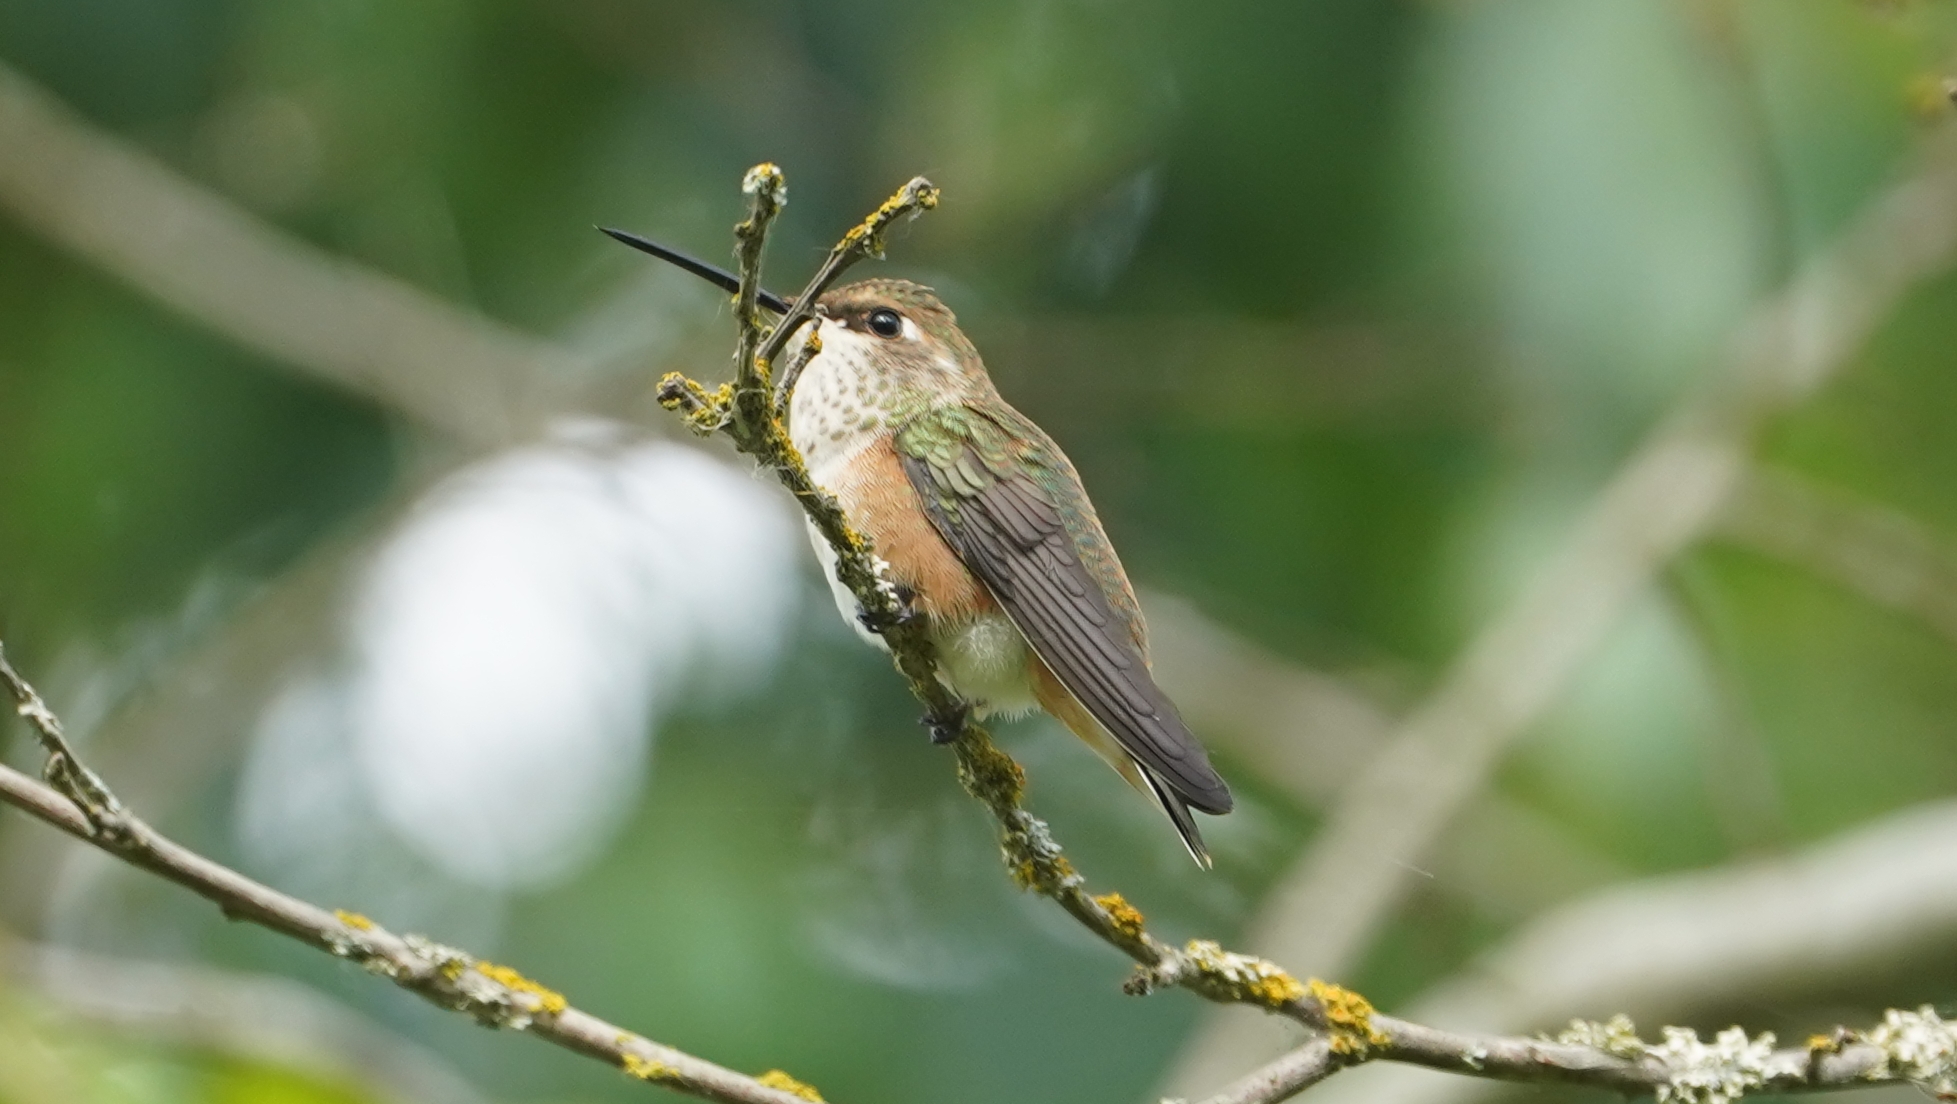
x=49 y=1058
x=1343 y=308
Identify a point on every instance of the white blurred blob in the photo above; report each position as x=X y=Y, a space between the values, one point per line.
x=514 y=644
x=304 y=813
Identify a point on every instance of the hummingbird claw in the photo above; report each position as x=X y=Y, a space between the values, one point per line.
x=907 y=612
x=946 y=727
x=906 y=605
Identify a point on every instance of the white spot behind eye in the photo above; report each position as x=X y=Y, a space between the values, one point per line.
x=911 y=332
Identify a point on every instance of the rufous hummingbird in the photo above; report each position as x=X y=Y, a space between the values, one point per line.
x=987 y=532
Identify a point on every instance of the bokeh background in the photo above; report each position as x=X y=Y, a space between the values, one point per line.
x=336 y=519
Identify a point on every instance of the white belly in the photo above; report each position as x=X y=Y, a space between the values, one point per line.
x=982 y=659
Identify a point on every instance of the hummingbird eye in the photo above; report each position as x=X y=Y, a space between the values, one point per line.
x=885 y=322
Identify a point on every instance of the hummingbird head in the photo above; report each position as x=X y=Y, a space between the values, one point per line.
x=900 y=335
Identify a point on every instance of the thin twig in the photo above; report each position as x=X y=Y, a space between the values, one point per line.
x=1913 y=1046
x=1345 y=1028
x=64 y=768
x=1611 y=1056
x=494 y=996
x=766 y=192
x=791 y=373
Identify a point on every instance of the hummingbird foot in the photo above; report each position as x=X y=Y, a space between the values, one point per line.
x=945 y=726
x=907 y=612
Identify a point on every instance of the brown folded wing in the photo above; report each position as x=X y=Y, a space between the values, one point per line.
x=1013 y=537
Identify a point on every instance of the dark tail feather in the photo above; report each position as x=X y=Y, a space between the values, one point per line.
x=1178 y=814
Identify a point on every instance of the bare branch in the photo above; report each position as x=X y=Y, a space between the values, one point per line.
x=495 y=996
x=1345 y=1029
x=1285 y=1077
x=1611 y=1056
x=64 y=768
x=791 y=374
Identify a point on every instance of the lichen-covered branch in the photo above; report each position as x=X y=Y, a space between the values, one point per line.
x=1035 y=860
x=1916 y=1047
x=1345 y=1030
x=766 y=193
x=80 y=804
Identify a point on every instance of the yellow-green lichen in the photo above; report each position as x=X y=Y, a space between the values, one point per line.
x=919 y=194
x=989 y=774
x=1126 y=919
x=549 y=1001
x=1349 y=1016
x=1228 y=976
x=776 y=1079
x=1276 y=990
x=353 y=920
x=767 y=181
x=704 y=411
x=647 y=1069
x=1041 y=872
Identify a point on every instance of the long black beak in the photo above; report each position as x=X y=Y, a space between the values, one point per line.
x=713 y=274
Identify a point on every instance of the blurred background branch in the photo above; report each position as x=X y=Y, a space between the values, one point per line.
x=381 y=338
x=1879 y=553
